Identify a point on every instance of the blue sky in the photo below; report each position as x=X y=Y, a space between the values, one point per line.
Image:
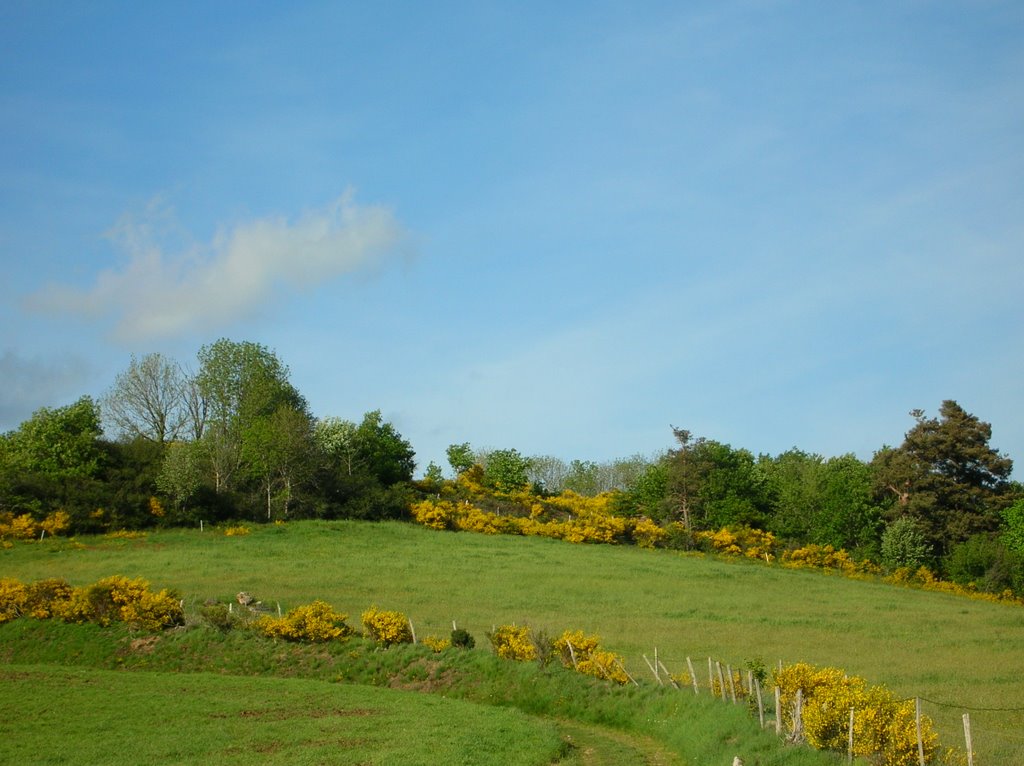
x=558 y=227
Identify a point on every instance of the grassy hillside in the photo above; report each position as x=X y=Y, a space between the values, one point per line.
x=163 y=718
x=946 y=649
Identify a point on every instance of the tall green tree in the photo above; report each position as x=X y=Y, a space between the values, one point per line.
x=946 y=476
x=242 y=384
x=713 y=485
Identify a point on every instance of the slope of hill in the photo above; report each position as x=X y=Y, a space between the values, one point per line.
x=963 y=654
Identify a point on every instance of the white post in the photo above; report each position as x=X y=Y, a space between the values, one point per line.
x=693 y=676
x=413 y=631
x=967 y=739
x=849 y=749
x=920 y=742
x=778 y=710
x=760 y=702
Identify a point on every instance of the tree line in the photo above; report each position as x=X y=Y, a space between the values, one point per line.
x=234 y=439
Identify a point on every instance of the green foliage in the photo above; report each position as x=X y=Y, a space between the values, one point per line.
x=986 y=563
x=946 y=475
x=462 y=639
x=58 y=443
x=506 y=470
x=904 y=544
x=460 y=457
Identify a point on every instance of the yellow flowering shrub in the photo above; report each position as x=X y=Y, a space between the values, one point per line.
x=740 y=541
x=56 y=522
x=604 y=665
x=884 y=728
x=436 y=515
x=589 y=658
x=437 y=644
x=316 y=621
x=238 y=531
x=156 y=508
x=386 y=628
x=25 y=527
x=13 y=596
x=154 y=611
x=21 y=527
x=114 y=599
x=43 y=598
x=513 y=643
x=827 y=557
x=647 y=534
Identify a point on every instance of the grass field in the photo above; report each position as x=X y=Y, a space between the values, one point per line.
x=163 y=718
x=966 y=654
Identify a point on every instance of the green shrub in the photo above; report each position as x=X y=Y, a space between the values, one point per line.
x=462 y=639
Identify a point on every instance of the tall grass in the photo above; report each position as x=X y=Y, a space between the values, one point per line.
x=969 y=654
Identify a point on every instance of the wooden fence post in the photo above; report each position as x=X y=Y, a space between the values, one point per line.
x=732 y=683
x=671 y=680
x=798 y=716
x=967 y=739
x=693 y=675
x=917 y=721
x=778 y=710
x=623 y=669
x=721 y=679
x=711 y=678
x=849 y=748
x=412 y=630
x=760 y=702
x=654 y=671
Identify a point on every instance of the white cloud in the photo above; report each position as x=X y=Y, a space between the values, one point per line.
x=157 y=294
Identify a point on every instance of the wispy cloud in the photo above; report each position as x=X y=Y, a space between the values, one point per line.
x=161 y=294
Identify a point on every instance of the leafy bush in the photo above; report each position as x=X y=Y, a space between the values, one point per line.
x=585 y=656
x=884 y=730
x=45 y=597
x=513 y=643
x=313 y=622
x=647 y=534
x=386 y=628
x=462 y=639
x=904 y=544
x=118 y=598
x=13 y=596
x=437 y=644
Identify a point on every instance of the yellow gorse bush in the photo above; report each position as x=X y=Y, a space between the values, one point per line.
x=238 y=531
x=647 y=534
x=25 y=527
x=827 y=557
x=13 y=596
x=316 y=621
x=112 y=599
x=437 y=644
x=884 y=729
x=513 y=643
x=586 y=656
x=386 y=628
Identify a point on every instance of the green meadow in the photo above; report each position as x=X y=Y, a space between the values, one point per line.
x=959 y=655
